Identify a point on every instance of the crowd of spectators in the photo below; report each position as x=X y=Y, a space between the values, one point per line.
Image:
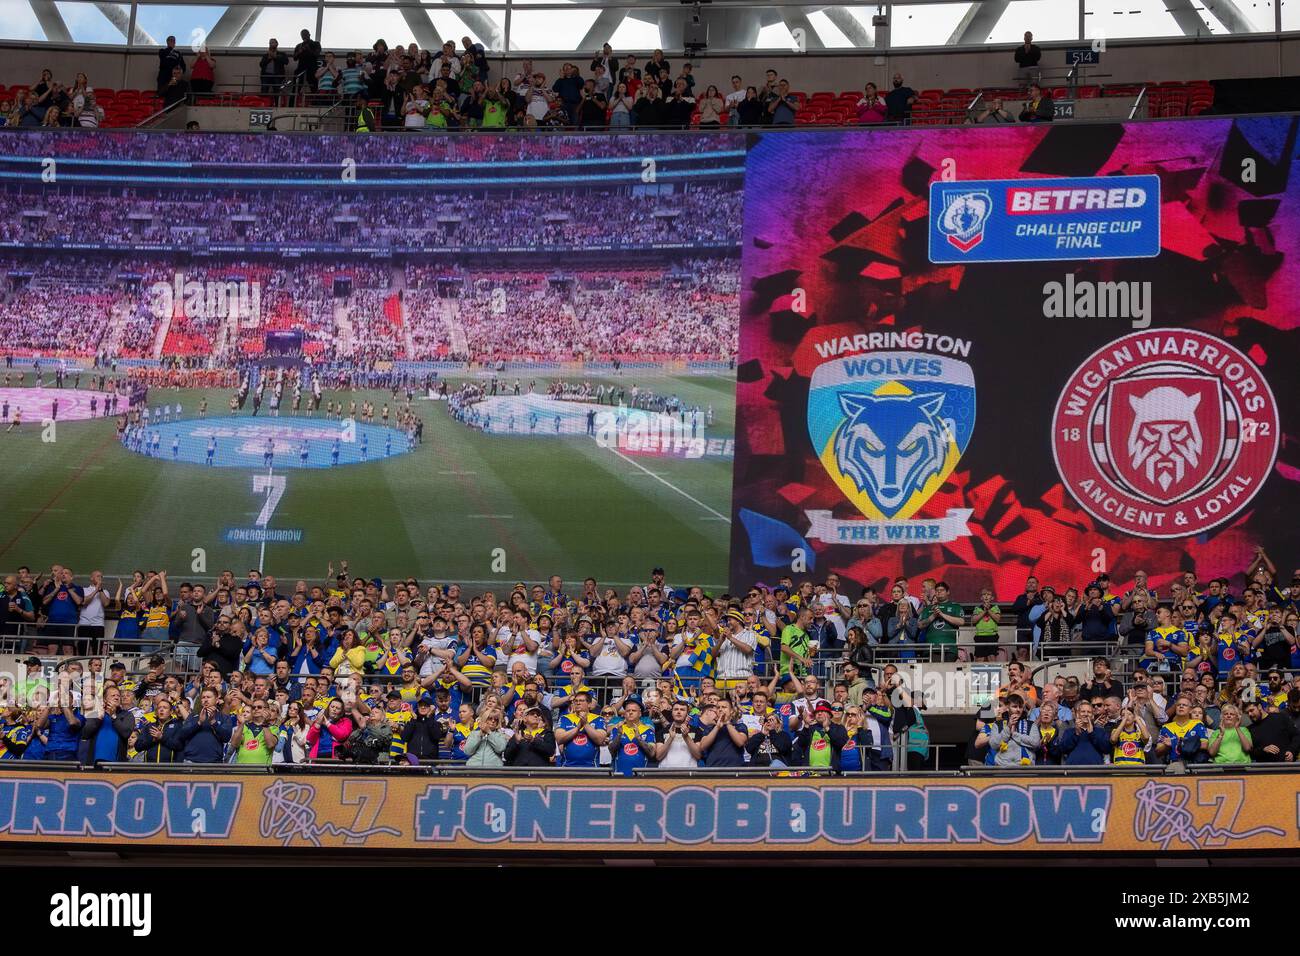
x=51 y=104
x=794 y=675
x=649 y=314
x=414 y=89
x=1212 y=681
x=184 y=218
x=376 y=672
x=226 y=150
x=349 y=311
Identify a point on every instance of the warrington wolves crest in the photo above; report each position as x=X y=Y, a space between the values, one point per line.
x=890 y=427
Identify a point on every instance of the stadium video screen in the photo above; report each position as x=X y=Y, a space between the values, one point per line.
x=985 y=353
x=485 y=358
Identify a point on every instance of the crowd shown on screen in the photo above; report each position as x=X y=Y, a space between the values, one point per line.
x=792 y=675
x=441 y=220
x=350 y=312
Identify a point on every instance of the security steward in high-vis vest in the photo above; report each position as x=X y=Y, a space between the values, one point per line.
x=366 y=122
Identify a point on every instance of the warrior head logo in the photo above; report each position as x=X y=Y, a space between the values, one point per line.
x=890 y=445
x=1164 y=439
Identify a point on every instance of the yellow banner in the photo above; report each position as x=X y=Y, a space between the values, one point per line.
x=989 y=813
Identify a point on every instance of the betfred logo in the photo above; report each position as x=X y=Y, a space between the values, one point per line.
x=1034 y=200
x=1165 y=433
x=1040 y=220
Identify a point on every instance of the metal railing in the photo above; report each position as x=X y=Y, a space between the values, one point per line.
x=1137 y=102
x=507 y=773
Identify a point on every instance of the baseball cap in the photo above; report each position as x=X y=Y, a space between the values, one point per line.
x=425 y=698
x=823 y=708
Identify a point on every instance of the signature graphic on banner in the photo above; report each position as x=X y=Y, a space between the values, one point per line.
x=287 y=812
x=1162 y=815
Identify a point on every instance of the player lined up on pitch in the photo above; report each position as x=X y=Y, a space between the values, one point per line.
x=797 y=674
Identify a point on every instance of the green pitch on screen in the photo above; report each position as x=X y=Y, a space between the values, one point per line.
x=561 y=505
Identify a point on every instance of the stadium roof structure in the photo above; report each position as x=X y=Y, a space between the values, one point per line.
x=582 y=26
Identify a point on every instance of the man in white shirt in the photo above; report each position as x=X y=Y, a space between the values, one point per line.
x=538 y=100
x=521 y=642
x=677 y=750
x=737 y=94
x=608 y=660
x=808 y=699
x=436 y=649
x=448 y=56
x=90 y=623
x=735 y=655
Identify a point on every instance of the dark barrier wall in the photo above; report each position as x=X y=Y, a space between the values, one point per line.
x=981 y=353
x=465 y=813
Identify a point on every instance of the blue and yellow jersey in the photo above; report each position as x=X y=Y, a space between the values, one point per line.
x=157 y=616
x=480 y=675
x=1254 y=622
x=761 y=649
x=391 y=660
x=1276 y=701
x=453 y=688
x=563 y=666
x=555 y=599
x=562 y=695
x=1128 y=750
x=398 y=719
x=580 y=751
x=1174 y=635
x=13 y=740
x=1231 y=649
x=323 y=703
x=1176 y=734
x=459 y=734
x=629 y=756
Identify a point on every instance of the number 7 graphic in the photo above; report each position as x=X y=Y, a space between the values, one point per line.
x=274 y=486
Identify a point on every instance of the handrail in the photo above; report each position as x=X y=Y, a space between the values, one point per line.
x=148 y=120
x=460 y=770
x=1137 y=102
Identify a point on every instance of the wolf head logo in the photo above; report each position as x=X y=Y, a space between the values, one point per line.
x=890 y=445
x=1165 y=439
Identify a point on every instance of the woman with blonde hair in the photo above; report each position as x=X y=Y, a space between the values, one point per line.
x=486 y=744
x=1231 y=743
